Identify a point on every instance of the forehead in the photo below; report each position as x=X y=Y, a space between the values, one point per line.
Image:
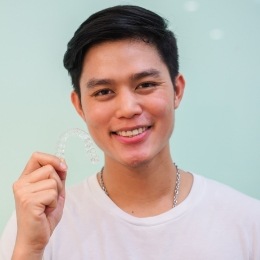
x=121 y=56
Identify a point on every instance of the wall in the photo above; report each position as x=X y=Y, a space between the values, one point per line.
x=217 y=128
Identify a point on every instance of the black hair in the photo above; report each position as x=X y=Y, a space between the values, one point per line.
x=117 y=23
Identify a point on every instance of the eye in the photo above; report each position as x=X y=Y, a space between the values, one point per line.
x=102 y=92
x=147 y=85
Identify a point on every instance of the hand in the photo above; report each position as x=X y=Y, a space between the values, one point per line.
x=39 y=197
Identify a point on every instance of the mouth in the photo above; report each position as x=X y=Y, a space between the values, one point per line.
x=132 y=133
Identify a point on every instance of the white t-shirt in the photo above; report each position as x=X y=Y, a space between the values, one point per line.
x=214 y=222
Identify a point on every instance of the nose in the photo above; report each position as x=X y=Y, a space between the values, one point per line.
x=128 y=105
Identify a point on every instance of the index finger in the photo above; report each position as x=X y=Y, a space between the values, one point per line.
x=38 y=160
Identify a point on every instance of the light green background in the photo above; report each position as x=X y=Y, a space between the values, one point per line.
x=217 y=128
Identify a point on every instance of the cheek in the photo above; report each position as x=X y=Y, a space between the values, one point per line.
x=94 y=116
x=96 y=126
x=163 y=111
x=163 y=107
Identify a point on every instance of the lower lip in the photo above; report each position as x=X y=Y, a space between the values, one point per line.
x=134 y=139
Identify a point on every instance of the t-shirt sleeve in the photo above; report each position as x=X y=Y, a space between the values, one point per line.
x=8 y=237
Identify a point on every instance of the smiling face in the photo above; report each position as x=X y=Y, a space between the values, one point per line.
x=128 y=101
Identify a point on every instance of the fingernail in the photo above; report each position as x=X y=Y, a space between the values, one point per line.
x=63 y=165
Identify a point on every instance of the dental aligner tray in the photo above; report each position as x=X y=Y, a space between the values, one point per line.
x=83 y=135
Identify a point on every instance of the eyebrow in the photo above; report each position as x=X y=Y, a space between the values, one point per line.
x=146 y=73
x=95 y=82
x=136 y=76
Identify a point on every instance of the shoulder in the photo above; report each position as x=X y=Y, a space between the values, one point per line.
x=226 y=192
x=8 y=237
x=227 y=199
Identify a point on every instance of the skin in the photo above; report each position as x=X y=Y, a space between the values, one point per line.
x=124 y=86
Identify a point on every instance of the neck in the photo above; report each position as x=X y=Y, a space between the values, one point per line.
x=143 y=190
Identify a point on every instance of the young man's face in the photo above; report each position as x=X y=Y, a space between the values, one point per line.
x=128 y=101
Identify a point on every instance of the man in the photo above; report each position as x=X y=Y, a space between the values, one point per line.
x=123 y=62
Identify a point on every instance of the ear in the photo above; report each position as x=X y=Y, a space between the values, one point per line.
x=75 y=99
x=178 y=90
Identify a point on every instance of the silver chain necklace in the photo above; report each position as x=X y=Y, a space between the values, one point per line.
x=176 y=190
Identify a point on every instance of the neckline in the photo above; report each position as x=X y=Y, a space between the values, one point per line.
x=103 y=201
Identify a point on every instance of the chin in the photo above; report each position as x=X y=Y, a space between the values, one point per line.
x=136 y=162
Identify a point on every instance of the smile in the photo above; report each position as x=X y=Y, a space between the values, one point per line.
x=132 y=133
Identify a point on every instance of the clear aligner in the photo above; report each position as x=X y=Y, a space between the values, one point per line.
x=88 y=143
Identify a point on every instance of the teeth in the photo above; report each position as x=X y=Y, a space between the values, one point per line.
x=132 y=133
